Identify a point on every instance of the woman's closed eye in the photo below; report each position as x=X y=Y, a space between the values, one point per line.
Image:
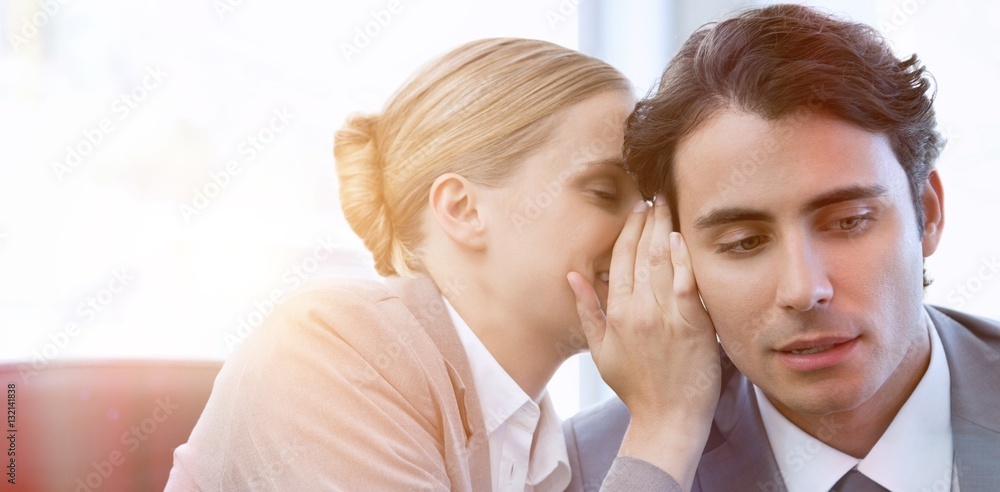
x=604 y=188
x=606 y=194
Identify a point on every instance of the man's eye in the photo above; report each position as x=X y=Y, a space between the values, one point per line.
x=746 y=246
x=750 y=243
x=855 y=224
x=849 y=223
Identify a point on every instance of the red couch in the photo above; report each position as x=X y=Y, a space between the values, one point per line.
x=83 y=426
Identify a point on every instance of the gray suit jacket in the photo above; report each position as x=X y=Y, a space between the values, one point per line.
x=738 y=455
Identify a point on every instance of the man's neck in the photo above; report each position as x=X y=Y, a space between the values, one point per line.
x=859 y=429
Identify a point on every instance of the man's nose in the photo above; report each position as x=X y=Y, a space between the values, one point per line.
x=803 y=282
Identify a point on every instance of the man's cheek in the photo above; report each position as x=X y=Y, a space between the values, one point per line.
x=741 y=331
x=733 y=341
x=739 y=351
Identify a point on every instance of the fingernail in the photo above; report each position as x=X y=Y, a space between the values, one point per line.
x=675 y=241
x=640 y=207
x=660 y=199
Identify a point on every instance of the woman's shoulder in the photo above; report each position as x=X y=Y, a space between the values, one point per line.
x=361 y=316
x=340 y=371
x=342 y=292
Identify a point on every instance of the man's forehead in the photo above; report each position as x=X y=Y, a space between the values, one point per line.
x=742 y=160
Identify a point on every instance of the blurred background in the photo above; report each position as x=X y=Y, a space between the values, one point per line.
x=166 y=167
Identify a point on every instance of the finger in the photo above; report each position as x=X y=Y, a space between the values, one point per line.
x=588 y=308
x=685 y=288
x=641 y=272
x=660 y=264
x=623 y=255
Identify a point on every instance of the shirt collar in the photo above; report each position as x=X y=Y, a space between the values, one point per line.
x=500 y=396
x=914 y=453
x=549 y=468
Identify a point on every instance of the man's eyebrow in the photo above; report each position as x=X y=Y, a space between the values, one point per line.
x=844 y=195
x=722 y=216
x=728 y=215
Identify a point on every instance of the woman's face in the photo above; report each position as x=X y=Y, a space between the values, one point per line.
x=562 y=211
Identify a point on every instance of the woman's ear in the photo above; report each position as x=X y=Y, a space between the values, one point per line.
x=454 y=202
x=933 y=201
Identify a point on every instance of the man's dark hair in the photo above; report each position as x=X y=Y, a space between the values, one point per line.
x=773 y=62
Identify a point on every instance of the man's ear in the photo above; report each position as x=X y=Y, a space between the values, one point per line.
x=933 y=201
x=454 y=202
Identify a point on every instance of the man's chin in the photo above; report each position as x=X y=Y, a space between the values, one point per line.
x=820 y=400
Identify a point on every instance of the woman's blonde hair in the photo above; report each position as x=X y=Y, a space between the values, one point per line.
x=477 y=111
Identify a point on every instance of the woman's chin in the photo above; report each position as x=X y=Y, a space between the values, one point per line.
x=601 y=288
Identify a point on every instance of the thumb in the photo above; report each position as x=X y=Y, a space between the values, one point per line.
x=588 y=307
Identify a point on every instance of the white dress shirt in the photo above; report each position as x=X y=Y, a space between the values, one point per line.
x=527 y=449
x=914 y=454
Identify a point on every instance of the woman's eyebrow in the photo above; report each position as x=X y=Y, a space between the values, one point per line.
x=611 y=161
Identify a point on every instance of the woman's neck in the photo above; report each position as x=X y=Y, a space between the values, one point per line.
x=523 y=351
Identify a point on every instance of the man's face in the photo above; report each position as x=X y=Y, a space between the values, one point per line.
x=805 y=247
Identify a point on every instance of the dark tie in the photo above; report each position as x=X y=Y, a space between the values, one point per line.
x=855 y=481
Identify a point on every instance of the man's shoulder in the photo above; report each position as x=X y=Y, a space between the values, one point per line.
x=984 y=328
x=593 y=438
x=607 y=419
x=966 y=336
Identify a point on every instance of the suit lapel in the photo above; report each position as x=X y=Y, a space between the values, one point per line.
x=974 y=362
x=424 y=300
x=738 y=455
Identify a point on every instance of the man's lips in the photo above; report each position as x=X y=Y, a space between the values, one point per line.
x=815 y=343
x=816 y=353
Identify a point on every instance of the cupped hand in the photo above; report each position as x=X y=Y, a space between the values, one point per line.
x=655 y=345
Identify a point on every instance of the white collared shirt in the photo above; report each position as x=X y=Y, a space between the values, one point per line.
x=914 y=454
x=513 y=423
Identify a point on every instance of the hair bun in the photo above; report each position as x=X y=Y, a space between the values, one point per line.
x=362 y=195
